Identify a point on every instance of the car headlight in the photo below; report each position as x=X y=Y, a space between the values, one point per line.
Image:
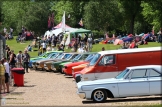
x=65 y=67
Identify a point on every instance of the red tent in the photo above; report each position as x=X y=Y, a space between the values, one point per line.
x=118 y=42
x=60 y=24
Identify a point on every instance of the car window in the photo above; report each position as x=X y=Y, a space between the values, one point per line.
x=85 y=56
x=154 y=73
x=107 y=60
x=139 y=73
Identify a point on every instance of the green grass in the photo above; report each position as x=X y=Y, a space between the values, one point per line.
x=97 y=47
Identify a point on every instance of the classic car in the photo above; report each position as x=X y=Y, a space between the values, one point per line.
x=133 y=81
x=44 y=55
x=58 y=66
x=38 y=63
x=67 y=69
x=62 y=57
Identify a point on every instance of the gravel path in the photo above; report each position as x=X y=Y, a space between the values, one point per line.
x=54 y=89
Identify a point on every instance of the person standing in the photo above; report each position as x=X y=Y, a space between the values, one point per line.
x=26 y=60
x=44 y=46
x=11 y=31
x=89 y=43
x=12 y=60
x=2 y=77
x=19 y=59
x=7 y=73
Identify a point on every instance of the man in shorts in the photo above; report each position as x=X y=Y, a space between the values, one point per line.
x=2 y=77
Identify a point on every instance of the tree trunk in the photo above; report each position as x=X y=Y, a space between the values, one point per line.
x=132 y=24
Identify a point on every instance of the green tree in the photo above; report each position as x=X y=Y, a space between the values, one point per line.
x=152 y=12
x=131 y=10
x=102 y=15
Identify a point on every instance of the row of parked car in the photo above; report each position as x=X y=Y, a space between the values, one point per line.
x=108 y=74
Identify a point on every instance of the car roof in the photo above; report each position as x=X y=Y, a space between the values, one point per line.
x=157 y=67
x=53 y=51
x=129 y=50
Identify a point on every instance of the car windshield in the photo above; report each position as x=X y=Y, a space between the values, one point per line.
x=94 y=60
x=77 y=57
x=60 y=56
x=122 y=74
x=46 y=55
x=89 y=58
x=50 y=55
x=54 y=55
x=67 y=56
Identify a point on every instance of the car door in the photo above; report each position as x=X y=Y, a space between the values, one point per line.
x=106 y=68
x=135 y=84
x=155 y=82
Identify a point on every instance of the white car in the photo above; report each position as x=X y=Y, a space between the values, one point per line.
x=133 y=81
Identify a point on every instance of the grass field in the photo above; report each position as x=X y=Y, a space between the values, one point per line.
x=96 y=47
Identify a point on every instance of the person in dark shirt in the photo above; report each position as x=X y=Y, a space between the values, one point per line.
x=26 y=60
x=12 y=60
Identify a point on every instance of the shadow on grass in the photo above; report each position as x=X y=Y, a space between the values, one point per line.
x=125 y=100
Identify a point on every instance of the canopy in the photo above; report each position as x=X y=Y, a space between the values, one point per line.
x=81 y=30
x=60 y=25
x=47 y=33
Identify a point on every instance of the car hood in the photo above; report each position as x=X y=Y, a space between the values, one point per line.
x=45 y=60
x=101 y=81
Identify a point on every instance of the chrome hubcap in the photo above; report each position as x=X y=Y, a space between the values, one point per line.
x=98 y=95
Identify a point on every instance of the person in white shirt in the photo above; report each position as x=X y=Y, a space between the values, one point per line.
x=44 y=46
x=89 y=43
x=7 y=73
x=19 y=59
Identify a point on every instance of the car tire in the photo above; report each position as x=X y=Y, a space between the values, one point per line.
x=99 y=95
x=36 y=68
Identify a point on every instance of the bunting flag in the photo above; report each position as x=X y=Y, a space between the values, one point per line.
x=49 y=21
x=81 y=22
x=63 y=22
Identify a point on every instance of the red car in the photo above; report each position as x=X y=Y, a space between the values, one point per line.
x=68 y=67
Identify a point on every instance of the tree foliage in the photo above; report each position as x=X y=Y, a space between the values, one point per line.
x=133 y=16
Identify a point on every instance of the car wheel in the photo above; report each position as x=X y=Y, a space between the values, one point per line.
x=99 y=96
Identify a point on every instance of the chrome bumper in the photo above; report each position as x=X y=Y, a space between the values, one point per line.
x=81 y=95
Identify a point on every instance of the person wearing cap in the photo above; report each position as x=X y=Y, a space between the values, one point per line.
x=2 y=77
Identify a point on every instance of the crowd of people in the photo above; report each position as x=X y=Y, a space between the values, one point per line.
x=8 y=34
x=54 y=43
x=12 y=60
x=24 y=35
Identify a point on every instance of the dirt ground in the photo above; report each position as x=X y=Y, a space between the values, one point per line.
x=54 y=89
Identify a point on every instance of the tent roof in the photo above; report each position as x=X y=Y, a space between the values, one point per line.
x=81 y=30
x=60 y=24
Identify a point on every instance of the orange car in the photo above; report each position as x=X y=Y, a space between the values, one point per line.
x=78 y=68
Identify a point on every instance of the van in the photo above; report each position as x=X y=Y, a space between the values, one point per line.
x=107 y=64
